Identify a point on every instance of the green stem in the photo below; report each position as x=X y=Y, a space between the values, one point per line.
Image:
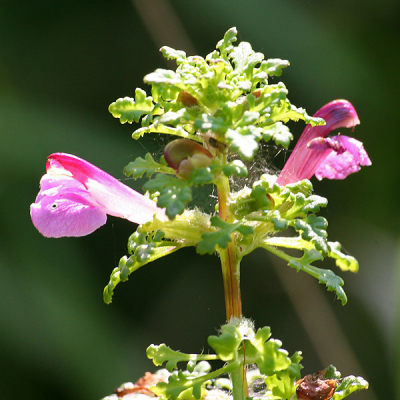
x=230 y=265
x=239 y=384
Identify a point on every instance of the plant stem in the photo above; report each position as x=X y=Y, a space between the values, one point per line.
x=229 y=261
x=239 y=384
x=230 y=265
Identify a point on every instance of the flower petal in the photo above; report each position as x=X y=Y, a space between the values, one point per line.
x=338 y=165
x=112 y=196
x=304 y=161
x=64 y=207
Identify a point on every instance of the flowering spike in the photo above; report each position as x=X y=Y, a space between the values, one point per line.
x=310 y=152
x=75 y=197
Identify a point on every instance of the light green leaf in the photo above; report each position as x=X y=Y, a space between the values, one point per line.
x=130 y=109
x=279 y=133
x=281 y=384
x=343 y=261
x=225 y=45
x=145 y=250
x=227 y=343
x=348 y=385
x=189 y=386
x=274 y=66
x=244 y=140
x=235 y=167
x=160 y=128
x=267 y=353
x=221 y=237
x=171 y=54
x=162 y=353
x=312 y=229
x=147 y=166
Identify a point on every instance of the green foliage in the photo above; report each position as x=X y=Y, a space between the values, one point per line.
x=238 y=345
x=147 y=166
x=187 y=385
x=221 y=237
x=226 y=103
x=144 y=249
x=131 y=109
x=227 y=343
x=174 y=193
x=343 y=261
x=162 y=353
x=232 y=98
x=312 y=229
x=348 y=385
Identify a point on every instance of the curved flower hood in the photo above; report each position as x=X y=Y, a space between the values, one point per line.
x=75 y=197
x=332 y=158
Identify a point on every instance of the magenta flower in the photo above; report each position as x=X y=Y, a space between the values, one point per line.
x=76 y=196
x=332 y=158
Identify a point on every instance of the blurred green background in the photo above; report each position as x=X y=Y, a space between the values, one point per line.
x=61 y=64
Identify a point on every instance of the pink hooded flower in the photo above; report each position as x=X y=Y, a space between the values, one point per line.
x=76 y=196
x=344 y=157
x=332 y=158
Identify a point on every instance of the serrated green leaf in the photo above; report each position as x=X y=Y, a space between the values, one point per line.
x=174 y=200
x=188 y=386
x=332 y=373
x=147 y=166
x=144 y=248
x=171 y=54
x=201 y=176
x=227 y=343
x=280 y=224
x=177 y=383
x=295 y=113
x=267 y=353
x=281 y=384
x=275 y=66
x=211 y=123
x=348 y=385
x=312 y=228
x=279 y=133
x=130 y=109
x=295 y=366
x=162 y=353
x=249 y=117
x=221 y=237
x=143 y=255
x=308 y=257
x=272 y=358
x=244 y=57
x=343 y=261
x=244 y=140
x=167 y=84
x=225 y=45
x=333 y=282
x=235 y=167
x=259 y=194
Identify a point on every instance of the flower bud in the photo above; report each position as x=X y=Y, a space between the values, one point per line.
x=184 y=155
x=187 y=99
x=257 y=93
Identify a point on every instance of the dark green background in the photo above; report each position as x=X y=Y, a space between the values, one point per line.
x=61 y=64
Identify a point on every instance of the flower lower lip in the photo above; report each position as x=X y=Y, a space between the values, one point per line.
x=84 y=195
x=313 y=147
